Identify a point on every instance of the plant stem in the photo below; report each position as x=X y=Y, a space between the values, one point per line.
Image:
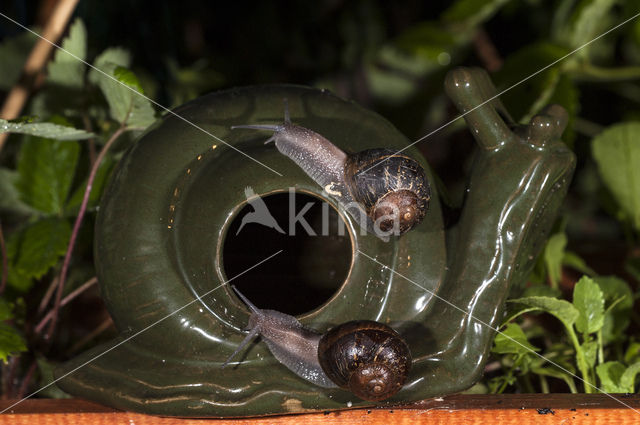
x=600 y=347
x=106 y=324
x=590 y=72
x=47 y=295
x=26 y=380
x=580 y=360
x=76 y=227
x=65 y=301
x=544 y=385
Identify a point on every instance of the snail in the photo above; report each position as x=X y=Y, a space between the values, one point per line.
x=368 y=358
x=385 y=191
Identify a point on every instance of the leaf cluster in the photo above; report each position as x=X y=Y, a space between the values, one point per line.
x=53 y=177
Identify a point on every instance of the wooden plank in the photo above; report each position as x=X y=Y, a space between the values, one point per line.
x=520 y=409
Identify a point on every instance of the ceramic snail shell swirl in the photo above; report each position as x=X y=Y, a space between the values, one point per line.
x=169 y=204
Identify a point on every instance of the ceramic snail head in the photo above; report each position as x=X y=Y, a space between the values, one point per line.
x=167 y=209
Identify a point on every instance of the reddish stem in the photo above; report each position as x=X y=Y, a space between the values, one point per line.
x=26 y=380
x=47 y=295
x=76 y=229
x=66 y=300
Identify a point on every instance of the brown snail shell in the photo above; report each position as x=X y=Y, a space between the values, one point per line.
x=392 y=187
x=368 y=358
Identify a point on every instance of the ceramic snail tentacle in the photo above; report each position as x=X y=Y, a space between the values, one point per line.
x=368 y=358
x=389 y=191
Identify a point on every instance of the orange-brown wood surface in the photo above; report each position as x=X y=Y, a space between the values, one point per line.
x=518 y=409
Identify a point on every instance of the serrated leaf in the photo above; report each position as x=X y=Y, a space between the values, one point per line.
x=512 y=340
x=628 y=378
x=610 y=374
x=40 y=245
x=617 y=153
x=126 y=104
x=129 y=78
x=589 y=301
x=65 y=69
x=553 y=255
x=44 y=129
x=563 y=310
x=113 y=55
x=46 y=168
x=11 y=342
x=14 y=52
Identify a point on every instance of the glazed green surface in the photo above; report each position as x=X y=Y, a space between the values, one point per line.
x=164 y=216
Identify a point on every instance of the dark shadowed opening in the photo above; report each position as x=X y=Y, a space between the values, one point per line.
x=314 y=262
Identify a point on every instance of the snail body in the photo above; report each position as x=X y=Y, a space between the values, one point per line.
x=365 y=357
x=387 y=192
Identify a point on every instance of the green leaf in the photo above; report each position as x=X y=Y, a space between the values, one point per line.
x=590 y=21
x=46 y=381
x=589 y=301
x=14 y=52
x=472 y=12
x=115 y=56
x=590 y=350
x=555 y=372
x=563 y=310
x=129 y=78
x=44 y=129
x=39 y=246
x=11 y=342
x=571 y=259
x=126 y=104
x=6 y=310
x=617 y=317
x=628 y=378
x=632 y=355
x=617 y=153
x=65 y=69
x=610 y=374
x=553 y=255
x=9 y=195
x=512 y=340
x=46 y=168
x=425 y=40
x=539 y=89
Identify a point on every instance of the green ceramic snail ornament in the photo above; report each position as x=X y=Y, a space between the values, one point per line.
x=167 y=210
